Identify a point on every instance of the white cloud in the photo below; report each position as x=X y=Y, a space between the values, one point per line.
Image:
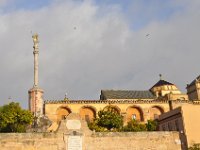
x=83 y=50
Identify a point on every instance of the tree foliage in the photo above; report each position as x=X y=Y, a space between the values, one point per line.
x=134 y=126
x=14 y=119
x=107 y=120
x=151 y=125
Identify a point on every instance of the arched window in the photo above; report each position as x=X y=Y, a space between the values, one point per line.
x=155 y=111
x=135 y=113
x=62 y=113
x=88 y=113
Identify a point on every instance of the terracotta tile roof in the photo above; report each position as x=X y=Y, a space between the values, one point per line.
x=125 y=94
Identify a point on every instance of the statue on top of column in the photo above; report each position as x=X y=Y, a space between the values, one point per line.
x=35 y=40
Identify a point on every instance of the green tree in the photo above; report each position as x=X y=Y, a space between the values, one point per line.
x=14 y=119
x=134 y=126
x=107 y=120
x=151 y=125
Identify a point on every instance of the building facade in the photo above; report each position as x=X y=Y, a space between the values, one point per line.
x=185 y=120
x=138 y=105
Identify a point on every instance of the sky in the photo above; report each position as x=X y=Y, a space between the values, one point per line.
x=89 y=45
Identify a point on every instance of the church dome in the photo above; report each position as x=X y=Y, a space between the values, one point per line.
x=162 y=87
x=162 y=83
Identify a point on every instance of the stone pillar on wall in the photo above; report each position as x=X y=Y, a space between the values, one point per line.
x=36 y=93
x=146 y=114
x=74 y=129
x=124 y=117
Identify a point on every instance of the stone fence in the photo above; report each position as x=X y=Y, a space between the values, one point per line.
x=97 y=141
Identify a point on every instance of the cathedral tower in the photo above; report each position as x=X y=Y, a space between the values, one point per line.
x=36 y=93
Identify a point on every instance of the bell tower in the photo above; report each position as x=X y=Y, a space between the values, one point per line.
x=36 y=93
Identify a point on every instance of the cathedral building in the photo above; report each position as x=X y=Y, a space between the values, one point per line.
x=138 y=105
x=131 y=104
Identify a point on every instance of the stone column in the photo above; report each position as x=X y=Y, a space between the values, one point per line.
x=146 y=114
x=35 y=53
x=36 y=93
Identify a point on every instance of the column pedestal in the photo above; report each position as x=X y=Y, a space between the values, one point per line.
x=36 y=101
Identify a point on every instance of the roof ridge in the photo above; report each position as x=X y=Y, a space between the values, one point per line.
x=161 y=82
x=193 y=81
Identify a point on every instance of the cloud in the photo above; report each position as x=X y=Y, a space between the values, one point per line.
x=83 y=50
x=3 y=2
x=6 y=5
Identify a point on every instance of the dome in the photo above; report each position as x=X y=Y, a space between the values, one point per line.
x=162 y=87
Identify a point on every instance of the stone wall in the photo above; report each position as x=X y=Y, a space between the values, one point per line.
x=31 y=141
x=96 y=141
x=134 y=141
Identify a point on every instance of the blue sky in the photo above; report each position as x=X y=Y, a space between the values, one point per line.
x=26 y=4
x=138 y=13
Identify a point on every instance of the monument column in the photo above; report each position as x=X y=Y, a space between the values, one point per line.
x=35 y=53
x=36 y=93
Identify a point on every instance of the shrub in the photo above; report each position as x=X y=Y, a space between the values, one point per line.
x=134 y=126
x=151 y=125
